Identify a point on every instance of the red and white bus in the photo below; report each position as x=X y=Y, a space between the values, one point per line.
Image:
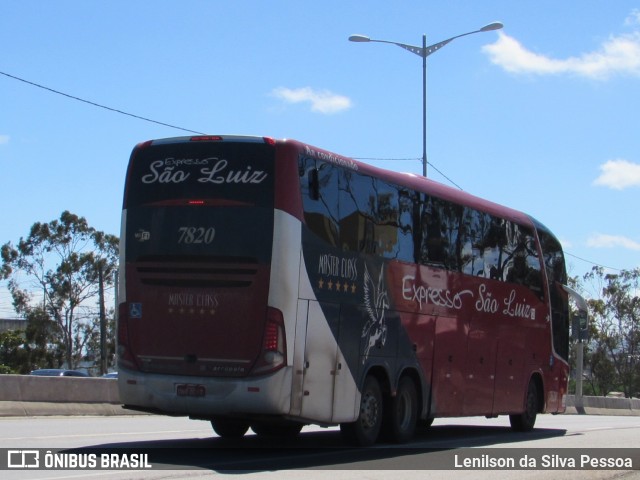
x=271 y=284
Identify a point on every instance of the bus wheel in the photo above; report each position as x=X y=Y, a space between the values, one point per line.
x=400 y=419
x=365 y=430
x=525 y=421
x=286 y=430
x=229 y=428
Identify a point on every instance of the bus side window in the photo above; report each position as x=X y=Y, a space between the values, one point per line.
x=522 y=264
x=319 y=187
x=433 y=239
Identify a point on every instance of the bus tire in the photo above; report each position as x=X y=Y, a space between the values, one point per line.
x=401 y=416
x=525 y=421
x=365 y=430
x=229 y=428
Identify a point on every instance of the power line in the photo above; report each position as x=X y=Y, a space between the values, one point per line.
x=386 y=159
x=98 y=105
x=448 y=179
x=407 y=159
x=115 y=110
x=590 y=262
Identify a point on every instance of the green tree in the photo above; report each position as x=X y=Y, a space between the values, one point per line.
x=13 y=355
x=93 y=342
x=60 y=261
x=43 y=341
x=616 y=317
x=603 y=378
x=34 y=347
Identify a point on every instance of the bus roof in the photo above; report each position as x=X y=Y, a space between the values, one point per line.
x=409 y=180
x=425 y=185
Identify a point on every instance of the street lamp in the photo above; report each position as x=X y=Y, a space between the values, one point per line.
x=424 y=52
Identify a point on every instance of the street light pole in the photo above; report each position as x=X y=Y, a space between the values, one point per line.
x=424 y=105
x=424 y=52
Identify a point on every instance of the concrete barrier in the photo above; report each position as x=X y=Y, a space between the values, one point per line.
x=31 y=395
x=603 y=406
x=33 y=388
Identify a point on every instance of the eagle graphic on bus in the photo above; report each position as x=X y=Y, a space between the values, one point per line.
x=376 y=302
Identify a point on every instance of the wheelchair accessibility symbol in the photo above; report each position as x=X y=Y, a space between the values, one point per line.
x=135 y=310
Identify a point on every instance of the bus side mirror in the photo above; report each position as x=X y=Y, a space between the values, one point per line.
x=314 y=184
x=580 y=319
x=580 y=326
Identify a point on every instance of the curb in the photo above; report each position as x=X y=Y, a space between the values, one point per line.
x=620 y=412
x=39 y=409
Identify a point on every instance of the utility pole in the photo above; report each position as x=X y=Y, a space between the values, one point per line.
x=103 y=322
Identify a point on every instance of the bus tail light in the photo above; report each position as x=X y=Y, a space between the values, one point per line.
x=125 y=355
x=274 y=346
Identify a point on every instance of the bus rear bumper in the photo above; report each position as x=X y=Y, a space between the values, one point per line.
x=205 y=396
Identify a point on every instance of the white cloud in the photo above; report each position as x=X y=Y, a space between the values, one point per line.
x=4 y=139
x=322 y=101
x=618 y=55
x=633 y=18
x=602 y=240
x=619 y=174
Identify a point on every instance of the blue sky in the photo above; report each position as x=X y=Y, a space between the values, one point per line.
x=542 y=116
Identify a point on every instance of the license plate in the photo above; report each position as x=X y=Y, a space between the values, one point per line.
x=190 y=390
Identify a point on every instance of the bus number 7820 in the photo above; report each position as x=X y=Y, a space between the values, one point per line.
x=196 y=235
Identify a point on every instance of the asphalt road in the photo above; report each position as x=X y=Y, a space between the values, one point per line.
x=182 y=448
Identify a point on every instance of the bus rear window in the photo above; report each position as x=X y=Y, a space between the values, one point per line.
x=200 y=172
